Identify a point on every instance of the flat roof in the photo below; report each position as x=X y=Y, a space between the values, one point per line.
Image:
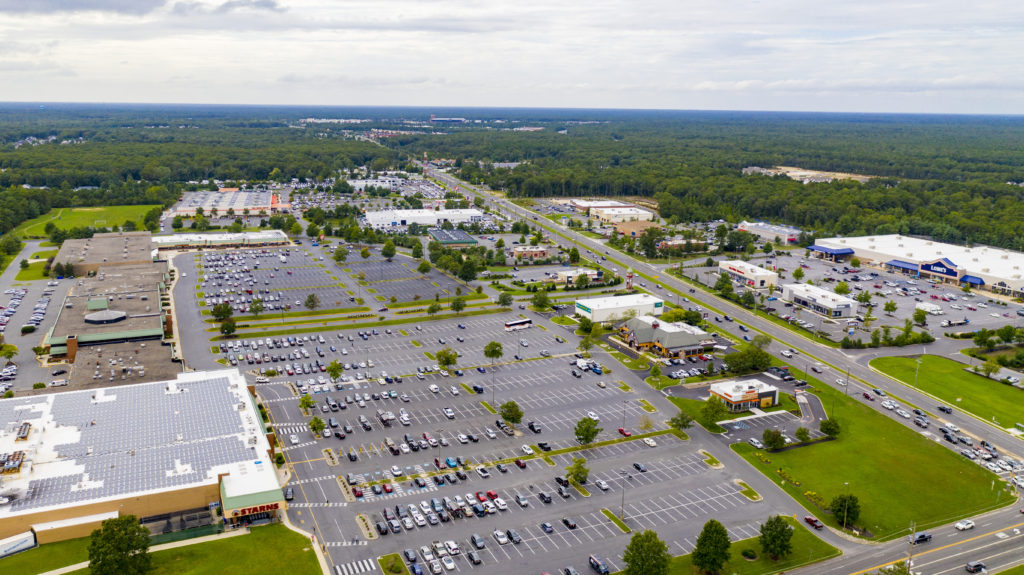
x=978 y=260
x=738 y=387
x=224 y=199
x=122 y=363
x=109 y=248
x=743 y=267
x=263 y=236
x=621 y=210
x=451 y=236
x=107 y=444
x=132 y=305
x=620 y=301
x=598 y=204
x=820 y=295
x=766 y=227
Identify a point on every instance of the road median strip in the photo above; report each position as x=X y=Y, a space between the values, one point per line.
x=618 y=522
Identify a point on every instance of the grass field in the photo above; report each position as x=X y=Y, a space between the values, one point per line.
x=946 y=379
x=65 y=218
x=899 y=475
x=44 y=254
x=807 y=549
x=32 y=272
x=47 y=557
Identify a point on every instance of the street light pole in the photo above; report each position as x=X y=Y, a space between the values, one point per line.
x=624 y=414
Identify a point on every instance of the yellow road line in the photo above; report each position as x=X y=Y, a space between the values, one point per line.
x=975 y=538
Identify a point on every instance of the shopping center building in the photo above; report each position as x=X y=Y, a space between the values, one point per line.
x=71 y=460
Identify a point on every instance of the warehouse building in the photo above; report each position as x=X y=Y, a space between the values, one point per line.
x=771 y=232
x=979 y=267
x=584 y=206
x=746 y=394
x=195 y=443
x=648 y=333
x=258 y=239
x=819 y=300
x=635 y=229
x=116 y=248
x=452 y=238
x=603 y=309
x=622 y=214
x=430 y=218
x=529 y=252
x=752 y=276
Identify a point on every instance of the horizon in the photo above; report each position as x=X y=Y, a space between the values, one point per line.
x=786 y=56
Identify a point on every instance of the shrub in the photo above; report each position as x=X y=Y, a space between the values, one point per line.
x=38 y=385
x=279 y=459
x=27 y=329
x=749 y=554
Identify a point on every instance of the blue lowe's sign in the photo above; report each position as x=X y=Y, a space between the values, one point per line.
x=942 y=267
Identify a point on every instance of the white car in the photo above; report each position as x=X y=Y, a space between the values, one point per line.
x=650 y=442
x=992 y=467
x=397 y=471
x=787 y=353
x=434 y=388
x=903 y=414
x=841 y=382
x=527 y=450
x=502 y=506
x=463 y=438
x=1005 y=465
x=448 y=562
x=593 y=416
x=294 y=439
x=964 y=525
x=454 y=390
x=952 y=427
x=601 y=484
x=1019 y=481
x=500 y=537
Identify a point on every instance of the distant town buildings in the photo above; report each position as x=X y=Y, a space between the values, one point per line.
x=746 y=394
x=603 y=309
x=431 y=218
x=771 y=232
x=752 y=276
x=621 y=214
x=649 y=333
x=819 y=300
x=227 y=201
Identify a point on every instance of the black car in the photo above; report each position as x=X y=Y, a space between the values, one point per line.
x=410 y=555
x=352 y=456
x=945 y=409
x=561 y=481
x=534 y=427
x=568 y=522
x=382 y=528
x=289 y=494
x=640 y=467
x=544 y=497
x=461 y=474
x=544 y=446
x=474 y=557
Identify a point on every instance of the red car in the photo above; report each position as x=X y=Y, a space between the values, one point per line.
x=814 y=522
x=520 y=464
x=624 y=432
x=388 y=488
x=867 y=396
x=480 y=495
x=357 y=492
x=492 y=494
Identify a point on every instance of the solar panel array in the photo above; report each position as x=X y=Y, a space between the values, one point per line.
x=145 y=440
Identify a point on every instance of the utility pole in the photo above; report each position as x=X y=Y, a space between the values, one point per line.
x=910 y=552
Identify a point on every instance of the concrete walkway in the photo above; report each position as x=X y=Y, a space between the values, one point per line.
x=204 y=539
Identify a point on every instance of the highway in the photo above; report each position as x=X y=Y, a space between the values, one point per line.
x=996 y=539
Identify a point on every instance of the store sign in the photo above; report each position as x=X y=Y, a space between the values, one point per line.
x=258 y=509
x=939 y=268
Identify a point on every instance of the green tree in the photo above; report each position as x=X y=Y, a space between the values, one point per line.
x=541 y=301
x=227 y=327
x=920 y=316
x=646 y=554
x=585 y=325
x=682 y=421
x=433 y=308
x=772 y=438
x=845 y=508
x=340 y=254
x=578 y=471
x=712 y=549
x=458 y=304
x=983 y=339
x=655 y=370
x=842 y=288
x=334 y=370
x=988 y=367
x=574 y=255
x=222 y=311
x=890 y=307
x=388 y=251
x=803 y=435
x=713 y=410
x=1006 y=334
x=446 y=357
x=724 y=285
x=256 y=307
x=586 y=431
x=119 y=547
x=317 y=426
x=312 y=301
x=424 y=267
x=295 y=229
x=760 y=341
x=505 y=299
x=747 y=299
x=798 y=274
x=775 y=538
x=417 y=249
x=468 y=270
x=582 y=281
x=829 y=427
x=899 y=568
x=364 y=253
x=306 y=402
x=313 y=231
x=511 y=413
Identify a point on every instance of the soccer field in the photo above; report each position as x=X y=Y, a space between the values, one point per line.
x=66 y=218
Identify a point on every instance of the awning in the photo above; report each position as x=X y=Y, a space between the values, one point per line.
x=973 y=280
x=832 y=251
x=902 y=265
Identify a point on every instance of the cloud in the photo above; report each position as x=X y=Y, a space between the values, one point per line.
x=53 y=6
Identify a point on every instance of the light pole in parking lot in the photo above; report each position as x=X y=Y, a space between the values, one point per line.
x=439 y=432
x=622 y=502
x=624 y=403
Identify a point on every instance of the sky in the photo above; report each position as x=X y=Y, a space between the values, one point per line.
x=934 y=56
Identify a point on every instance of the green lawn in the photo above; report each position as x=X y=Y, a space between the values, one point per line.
x=44 y=254
x=1018 y=570
x=946 y=379
x=563 y=320
x=629 y=362
x=47 y=557
x=899 y=475
x=66 y=218
x=807 y=549
x=392 y=564
x=693 y=407
x=31 y=273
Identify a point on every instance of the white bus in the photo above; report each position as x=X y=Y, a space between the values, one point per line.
x=518 y=324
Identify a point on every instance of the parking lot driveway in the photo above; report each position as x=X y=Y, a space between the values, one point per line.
x=753 y=426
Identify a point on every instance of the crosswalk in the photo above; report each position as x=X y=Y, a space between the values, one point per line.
x=306 y=505
x=355 y=543
x=355 y=567
x=311 y=480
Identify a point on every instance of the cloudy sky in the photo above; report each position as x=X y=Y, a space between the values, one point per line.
x=945 y=56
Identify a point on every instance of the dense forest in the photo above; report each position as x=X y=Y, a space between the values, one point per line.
x=941 y=176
